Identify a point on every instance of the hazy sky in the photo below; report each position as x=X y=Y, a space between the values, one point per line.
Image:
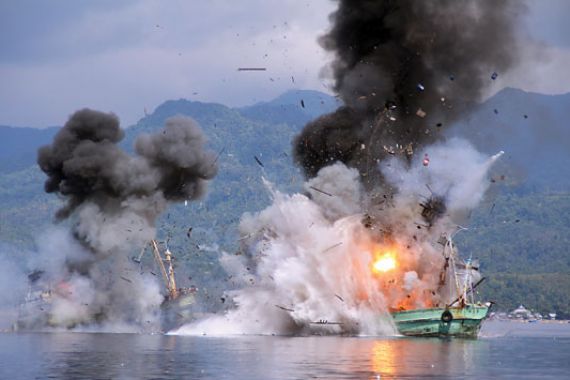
x=125 y=55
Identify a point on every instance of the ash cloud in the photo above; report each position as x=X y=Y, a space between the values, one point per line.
x=405 y=70
x=113 y=200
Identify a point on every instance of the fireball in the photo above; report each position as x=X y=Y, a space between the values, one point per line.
x=384 y=263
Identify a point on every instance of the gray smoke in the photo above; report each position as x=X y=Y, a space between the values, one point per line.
x=85 y=163
x=405 y=70
x=113 y=200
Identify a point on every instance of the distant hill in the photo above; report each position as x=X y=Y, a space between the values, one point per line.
x=534 y=132
x=19 y=146
x=520 y=233
x=294 y=108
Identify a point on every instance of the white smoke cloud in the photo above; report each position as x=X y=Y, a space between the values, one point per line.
x=71 y=293
x=13 y=286
x=342 y=191
x=456 y=171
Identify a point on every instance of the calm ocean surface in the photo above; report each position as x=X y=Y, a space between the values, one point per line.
x=505 y=350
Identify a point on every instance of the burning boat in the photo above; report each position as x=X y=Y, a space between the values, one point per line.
x=38 y=311
x=461 y=316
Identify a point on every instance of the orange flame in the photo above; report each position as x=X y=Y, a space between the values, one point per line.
x=384 y=263
x=390 y=264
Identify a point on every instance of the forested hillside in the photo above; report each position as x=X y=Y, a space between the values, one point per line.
x=520 y=233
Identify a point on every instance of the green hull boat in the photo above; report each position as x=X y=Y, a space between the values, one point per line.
x=462 y=316
x=454 y=321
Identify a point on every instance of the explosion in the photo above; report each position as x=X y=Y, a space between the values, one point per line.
x=384 y=184
x=386 y=262
x=113 y=200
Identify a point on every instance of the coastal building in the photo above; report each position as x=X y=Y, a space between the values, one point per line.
x=521 y=312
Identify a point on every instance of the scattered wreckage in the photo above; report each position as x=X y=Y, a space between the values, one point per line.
x=177 y=308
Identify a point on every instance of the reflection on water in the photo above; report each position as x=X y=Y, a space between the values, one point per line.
x=119 y=356
x=419 y=357
x=383 y=358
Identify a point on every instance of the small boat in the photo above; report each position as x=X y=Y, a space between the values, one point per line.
x=462 y=316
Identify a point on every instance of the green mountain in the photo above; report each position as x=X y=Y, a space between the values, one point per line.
x=19 y=146
x=519 y=233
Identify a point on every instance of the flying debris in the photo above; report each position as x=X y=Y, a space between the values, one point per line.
x=494 y=75
x=259 y=161
x=425 y=161
x=126 y=279
x=409 y=151
x=189 y=232
x=325 y=322
x=420 y=87
x=390 y=105
x=321 y=191
x=284 y=308
x=421 y=113
x=219 y=154
x=333 y=247
x=302 y=103
x=35 y=275
x=433 y=209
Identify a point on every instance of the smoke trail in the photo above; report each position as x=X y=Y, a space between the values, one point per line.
x=113 y=200
x=405 y=70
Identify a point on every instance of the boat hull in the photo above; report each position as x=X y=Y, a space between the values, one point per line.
x=455 y=321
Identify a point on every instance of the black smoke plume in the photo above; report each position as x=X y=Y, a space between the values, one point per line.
x=85 y=163
x=405 y=69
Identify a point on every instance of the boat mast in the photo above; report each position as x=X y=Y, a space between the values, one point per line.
x=462 y=286
x=167 y=276
x=172 y=291
x=452 y=256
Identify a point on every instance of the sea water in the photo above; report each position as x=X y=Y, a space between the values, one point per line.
x=504 y=350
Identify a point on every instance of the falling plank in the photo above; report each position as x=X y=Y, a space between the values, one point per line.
x=321 y=191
